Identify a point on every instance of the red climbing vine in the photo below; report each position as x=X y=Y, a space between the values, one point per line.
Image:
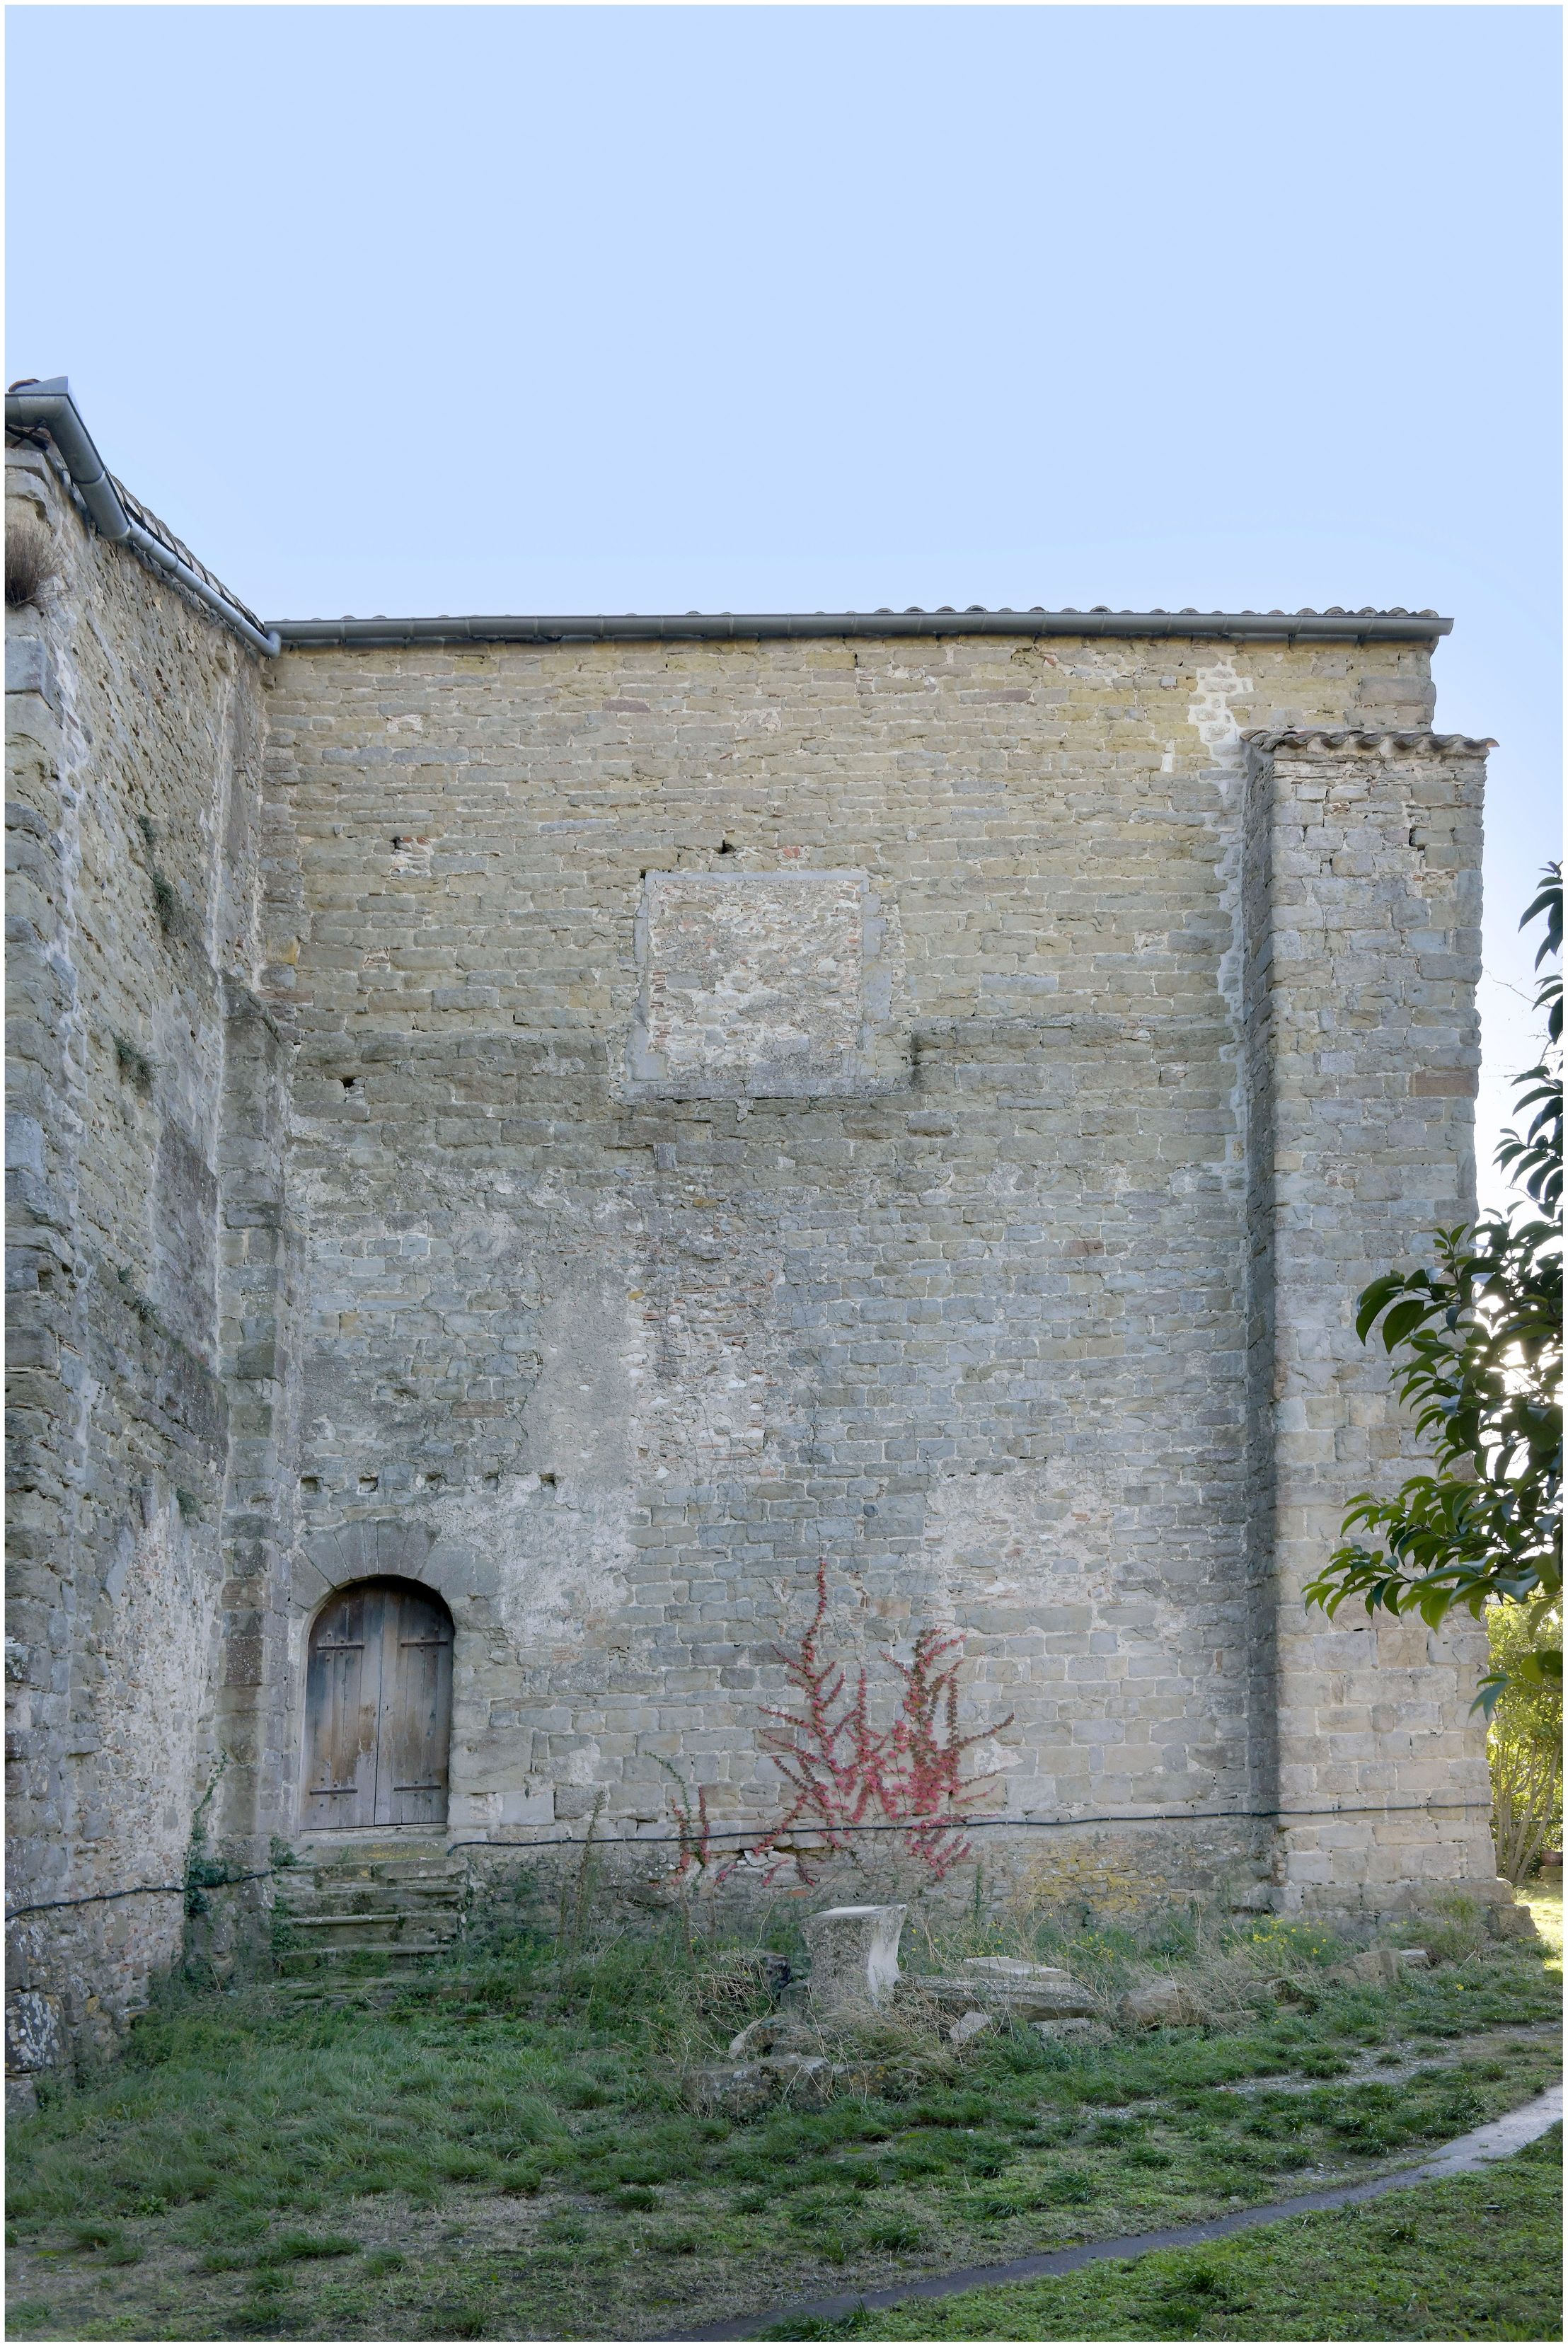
x=825 y=1751
x=843 y=1774
x=921 y=1780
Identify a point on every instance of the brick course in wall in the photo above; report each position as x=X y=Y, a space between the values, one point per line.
x=595 y=1126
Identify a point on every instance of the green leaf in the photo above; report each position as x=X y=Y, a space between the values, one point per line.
x=1374 y=1299
x=1403 y=1318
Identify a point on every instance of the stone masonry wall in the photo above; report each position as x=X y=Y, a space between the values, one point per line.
x=594 y=1129
x=133 y=762
x=1364 y=949
x=764 y=1101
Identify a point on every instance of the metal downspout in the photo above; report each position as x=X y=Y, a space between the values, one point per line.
x=50 y=406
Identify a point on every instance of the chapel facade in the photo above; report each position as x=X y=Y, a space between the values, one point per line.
x=528 y=1134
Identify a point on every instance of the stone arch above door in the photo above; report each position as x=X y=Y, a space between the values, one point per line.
x=386 y=1546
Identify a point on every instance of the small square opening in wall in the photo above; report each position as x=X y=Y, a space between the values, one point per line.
x=758 y=985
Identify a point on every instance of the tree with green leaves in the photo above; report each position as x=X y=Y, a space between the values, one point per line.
x=1524 y=1741
x=1475 y=1341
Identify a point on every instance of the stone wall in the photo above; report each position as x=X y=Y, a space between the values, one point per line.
x=1363 y=927
x=765 y=1101
x=596 y=1129
x=133 y=763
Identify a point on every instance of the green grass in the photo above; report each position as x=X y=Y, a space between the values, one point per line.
x=503 y=2150
x=1545 y=1904
x=1477 y=2258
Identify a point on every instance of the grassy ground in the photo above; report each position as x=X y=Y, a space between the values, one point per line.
x=503 y=2150
x=1546 y=1907
x=1479 y=2258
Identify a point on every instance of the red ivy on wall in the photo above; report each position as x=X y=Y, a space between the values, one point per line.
x=844 y=1775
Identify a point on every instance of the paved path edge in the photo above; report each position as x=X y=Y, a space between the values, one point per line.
x=1496 y=2141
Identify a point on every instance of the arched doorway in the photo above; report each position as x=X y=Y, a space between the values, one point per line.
x=378 y=1707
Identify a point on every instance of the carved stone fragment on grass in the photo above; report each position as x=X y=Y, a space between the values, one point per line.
x=1040 y=1992
x=853 y=1958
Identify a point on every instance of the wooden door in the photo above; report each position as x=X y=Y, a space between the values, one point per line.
x=415 y=1725
x=378 y=1707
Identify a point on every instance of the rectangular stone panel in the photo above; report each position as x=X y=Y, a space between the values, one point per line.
x=763 y=985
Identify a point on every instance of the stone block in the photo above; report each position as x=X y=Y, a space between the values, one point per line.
x=30 y=668
x=853 y=1958
x=1383 y=1966
x=1161 y=2004
x=33 y=2039
x=740 y=2090
x=1056 y=1998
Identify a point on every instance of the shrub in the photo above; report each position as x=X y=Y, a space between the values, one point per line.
x=30 y=561
x=1525 y=1745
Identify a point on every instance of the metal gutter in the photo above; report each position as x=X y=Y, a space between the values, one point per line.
x=49 y=407
x=1333 y=627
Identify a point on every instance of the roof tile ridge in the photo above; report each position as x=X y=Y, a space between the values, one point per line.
x=1364 y=737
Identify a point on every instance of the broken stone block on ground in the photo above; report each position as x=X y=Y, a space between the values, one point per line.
x=1045 y=1994
x=1383 y=1965
x=1014 y=1969
x=739 y=2090
x=853 y=1959
x=1161 y=2004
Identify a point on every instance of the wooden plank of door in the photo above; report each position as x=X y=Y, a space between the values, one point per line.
x=415 y=1712
x=342 y=1703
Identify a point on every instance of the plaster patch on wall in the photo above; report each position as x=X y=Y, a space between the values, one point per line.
x=558 y=1537
x=1039 y=1537
x=707 y=1368
x=1211 y=713
x=757 y=985
x=559 y=1553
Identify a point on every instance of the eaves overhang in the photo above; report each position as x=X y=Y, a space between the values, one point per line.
x=1332 y=626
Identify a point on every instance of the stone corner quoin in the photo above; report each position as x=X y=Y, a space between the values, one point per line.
x=577 y=1130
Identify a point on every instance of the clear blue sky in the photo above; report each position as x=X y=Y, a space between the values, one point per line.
x=524 y=309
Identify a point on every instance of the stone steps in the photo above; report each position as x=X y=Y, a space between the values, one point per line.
x=335 y=1897
x=334 y=1989
x=347 y=1903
